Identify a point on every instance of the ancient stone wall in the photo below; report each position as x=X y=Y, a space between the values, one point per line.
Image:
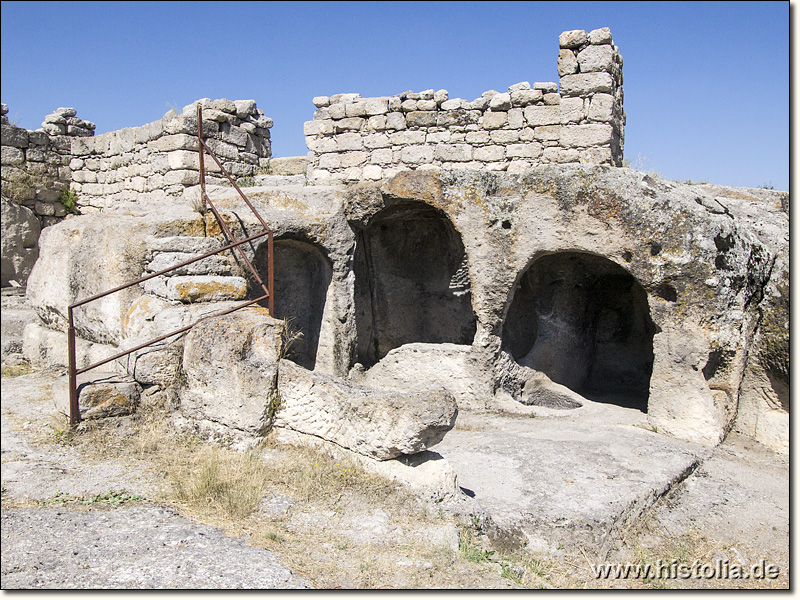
x=35 y=164
x=352 y=138
x=160 y=159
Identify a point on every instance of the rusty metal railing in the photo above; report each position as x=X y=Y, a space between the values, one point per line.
x=268 y=288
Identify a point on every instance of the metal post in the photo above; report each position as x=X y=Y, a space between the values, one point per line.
x=270 y=275
x=74 y=410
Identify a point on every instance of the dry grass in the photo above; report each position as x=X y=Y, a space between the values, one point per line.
x=341 y=527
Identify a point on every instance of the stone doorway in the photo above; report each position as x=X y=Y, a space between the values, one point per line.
x=302 y=276
x=411 y=282
x=585 y=322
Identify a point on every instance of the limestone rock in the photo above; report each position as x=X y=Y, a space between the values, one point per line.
x=377 y=423
x=422 y=368
x=100 y=395
x=19 y=241
x=45 y=348
x=231 y=367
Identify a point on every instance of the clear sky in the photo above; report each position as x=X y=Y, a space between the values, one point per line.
x=706 y=83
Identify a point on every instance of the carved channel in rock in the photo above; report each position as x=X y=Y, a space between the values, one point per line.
x=585 y=322
x=412 y=284
x=302 y=276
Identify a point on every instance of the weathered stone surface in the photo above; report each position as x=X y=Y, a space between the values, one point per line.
x=45 y=348
x=376 y=423
x=421 y=368
x=596 y=58
x=288 y=165
x=572 y=39
x=206 y=288
x=585 y=135
x=19 y=242
x=231 y=367
x=100 y=395
x=582 y=84
x=567 y=62
x=83 y=256
x=600 y=36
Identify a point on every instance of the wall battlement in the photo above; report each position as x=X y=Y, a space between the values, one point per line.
x=579 y=121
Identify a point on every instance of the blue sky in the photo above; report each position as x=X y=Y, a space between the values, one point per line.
x=706 y=83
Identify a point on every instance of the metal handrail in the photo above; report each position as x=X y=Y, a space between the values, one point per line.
x=74 y=409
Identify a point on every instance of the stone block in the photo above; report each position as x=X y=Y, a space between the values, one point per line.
x=573 y=39
x=355 y=109
x=206 y=288
x=349 y=141
x=377 y=140
x=377 y=123
x=567 y=62
x=552 y=99
x=9 y=155
x=572 y=110
x=504 y=136
x=382 y=156
x=596 y=58
x=526 y=97
x=396 y=120
x=421 y=118
x=529 y=150
x=377 y=423
x=583 y=84
x=321 y=101
x=184 y=159
x=489 y=153
x=494 y=120
x=402 y=138
x=547 y=132
x=546 y=87
x=353 y=159
x=601 y=108
x=477 y=137
x=372 y=172
x=349 y=124
x=322 y=145
x=100 y=395
x=581 y=136
x=453 y=152
x=542 y=115
x=600 y=36
x=500 y=102
x=334 y=111
x=417 y=154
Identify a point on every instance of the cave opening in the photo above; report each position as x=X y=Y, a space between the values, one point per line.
x=411 y=282
x=302 y=277
x=585 y=322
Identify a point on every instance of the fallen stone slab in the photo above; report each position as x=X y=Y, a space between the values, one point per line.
x=378 y=423
x=552 y=477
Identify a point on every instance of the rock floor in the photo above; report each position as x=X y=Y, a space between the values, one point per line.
x=594 y=480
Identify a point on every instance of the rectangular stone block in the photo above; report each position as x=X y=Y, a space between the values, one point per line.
x=542 y=115
x=572 y=110
x=547 y=132
x=596 y=58
x=529 y=150
x=581 y=136
x=453 y=152
x=504 y=136
x=417 y=154
x=376 y=106
x=348 y=124
x=601 y=107
x=322 y=145
x=494 y=120
x=407 y=137
x=421 y=118
x=583 y=84
x=396 y=120
x=353 y=159
x=349 y=141
x=489 y=153
x=184 y=159
x=377 y=140
x=382 y=156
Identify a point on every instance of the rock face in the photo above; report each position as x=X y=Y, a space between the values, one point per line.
x=560 y=283
x=370 y=421
x=19 y=242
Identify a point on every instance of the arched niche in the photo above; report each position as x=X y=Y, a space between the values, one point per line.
x=302 y=276
x=585 y=322
x=411 y=282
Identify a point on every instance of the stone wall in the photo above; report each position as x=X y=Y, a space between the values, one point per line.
x=35 y=164
x=352 y=138
x=160 y=159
